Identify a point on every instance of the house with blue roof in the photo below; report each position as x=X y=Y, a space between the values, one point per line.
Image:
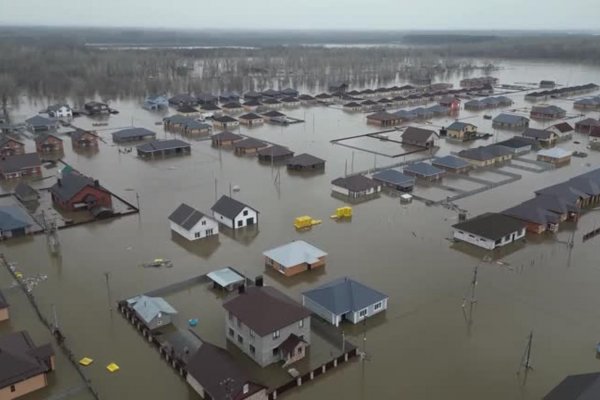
x=395 y=179
x=344 y=298
x=424 y=171
x=452 y=164
x=154 y=312
x=14 y=221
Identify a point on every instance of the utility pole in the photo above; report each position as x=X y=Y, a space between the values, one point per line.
x=107 y=276
x=229 y=189
x=352 y=164
x=473 y=286
x=215 y=190
x=526 y=359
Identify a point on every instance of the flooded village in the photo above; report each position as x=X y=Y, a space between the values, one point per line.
x=385 y=239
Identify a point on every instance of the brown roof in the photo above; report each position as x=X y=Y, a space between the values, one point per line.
x=20 y=359
x=289 y=344
x=250 y=143
x=265 y=309
x=563 y=127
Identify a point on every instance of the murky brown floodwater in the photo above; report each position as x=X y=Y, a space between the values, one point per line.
x=422 y=348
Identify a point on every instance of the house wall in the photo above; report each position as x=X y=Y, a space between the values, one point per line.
x=50 y=145
x=241 y=219
x=165 y=319
x=263 y=354
x=198 y=228
x=554 y=160
x=487 y=243
x=103 y=198
x=321 y=311
x=223 y=219
x=355 y=317
x=12 y=148
x=294 y=270
x=30 y=171
x=24 y=387
x=195 y=385
x=4 y=314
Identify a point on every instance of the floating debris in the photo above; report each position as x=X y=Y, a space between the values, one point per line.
x=86 y=361
x=306 y=222
x=193 y=322
x=158 y=262
x=342 y=212
x=112 y=367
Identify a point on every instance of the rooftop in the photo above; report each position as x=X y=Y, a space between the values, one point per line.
x=344 y=295
x=294 y=253
x=187 y=217
x=450 y=162
x=577 y=387
x=160 y=145
x=148 y=308
x=355 y=183
x=394 y=177
x=492 y=226
x=229 y=207
x=14 y=217
x=21 y=359
x=555 y=152
x=18 y=162
x=305 y=160
x=225 y=277
x=423 y=169
x=133 y=133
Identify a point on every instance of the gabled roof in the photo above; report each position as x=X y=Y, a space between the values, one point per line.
x=531 y=211
x=209 y=107
x=588 y=122
x=484 y=153
x=42 y=137
x=417 y=135
x=491 y=226
x=577 y=387
x=187 y=217
x=18 y=162
x=21 y=359
x=423 y=169
x=38 y=120
x=394 y=177
x=132 y=133
x=265 y=309
x=450 y=162
x=226 y=135
x=232 y=105
x=250 y=116
x=14 y=217
x=294 y=253
x=250 y=143
x=225 y=277
x=382 y=116
x=70 y=184
x=459 y=126
x=355 y=183
x=510 y=119
x=148 y=308
x=275 y=151
x=537 y=133
x=23 y=190
x=273 y=114
x=229 y=207
x=517 y=142
x=212 y=366
x=224 y=119
x=187 y=109
x=163 y=144
x=80 y=133
x=305 y=160
x=4 y=140
x=344 y=295
x=562 y=127
x=252 y=103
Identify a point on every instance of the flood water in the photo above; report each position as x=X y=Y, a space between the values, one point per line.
x=423 y=347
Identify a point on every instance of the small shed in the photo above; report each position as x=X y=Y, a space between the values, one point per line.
x=226 y=278
x=275 y=153
x=452 y=164
x=305 y=162
x=395 y=179
x=163 y=148
x=424 y=171
x=249 y=146
x=225 y=138
x=556 y=156
x=154 y=312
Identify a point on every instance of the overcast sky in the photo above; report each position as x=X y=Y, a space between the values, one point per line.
x=308 y=14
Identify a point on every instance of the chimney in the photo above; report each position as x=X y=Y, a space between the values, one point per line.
x=258 y=281
x=96 y=183
x=59 y=182
x=242 y=289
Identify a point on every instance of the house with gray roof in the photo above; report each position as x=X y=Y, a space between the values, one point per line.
x=24 y=367
x=419 y=137
x=547 y=112
x=510 y=121
x=225 y=138
x=251 y=119
x=155 y=103
x=274 y=153
x=226 y=278
x=486 y=155
x=519 y=145
x=74 y=191
x=192 y=224
x=395 y=179
x=249 y=146
x=132 y=135
x=233 y=213
x=214 y=374
x=25 y=193
x=295 y=257
x=462 y=131
x=537 y=218
x=182 y=99
x=355 y=186
x=20 y=165
x=305 y=162
x=267 y=326
x=490 y=230
x=38 y=124
x=154 y=312
x=14 y=222
x=163 y=148
x=10 y=146
x=422 y=170
x=577 y=387
x=225 y=122
x=451 y=164
x=545 y=138
x=344 y=299
x=586 y=125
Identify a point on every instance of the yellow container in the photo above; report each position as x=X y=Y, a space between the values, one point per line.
x=344 y=212
x=112 y=367
x=303 y=222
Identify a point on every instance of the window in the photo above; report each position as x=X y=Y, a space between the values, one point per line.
x=252 y=350
x=301 y=323
x=197 y=235
x=245 y=213
x=13 y=388
x=377 y=306
x=231 y=332
x=239 y=323
x=240 y=339
x=275 y=351
x=362 y=313
x=209 y=232
x=231 y=317
x=276 y=334
x=240 y=223
x=203 y=222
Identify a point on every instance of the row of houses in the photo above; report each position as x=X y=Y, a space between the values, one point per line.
x=488 y=103
x=567 y=91
x=544 y=213
x=590 y=103
x=478 y=82
x=386 y=119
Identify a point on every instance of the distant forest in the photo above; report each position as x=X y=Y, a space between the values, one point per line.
x=60 y=63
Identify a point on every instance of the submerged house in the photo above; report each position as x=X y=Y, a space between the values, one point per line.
x=484 y=156
x=163 y=148
x=344 y=299
x=225 y=122
x=462 y=131
x=132 y=135
x=96 y=108
x=424 y=171
x=586 y=125
x=274 y=153
x=453 y=164
x=154 y=312
x=518 y=145
x=15 y=222
x=183 y=99
x=305 y=162
x=83 y=140
x=59 y=111
x=226 y=278
x=355 y=186
x=249 y=146
x=547 y=112
x=545 y=138
x=394 y=179
x=510 y=121
x=251 y=119
x=46 y=143
x=155 y=103
x=563 y=130
x=383 y=118
x=210 y=366
x=225 y=138
x=267 y=326
x=24 y=367
x=20 y=165
x=234 y=214
x=192 y=224
x=556 y=156
x=74 y=191
x=10 y=146
x=490 y=230
x=294 y=258
x=543 y=213
x=38 y=124
x=419 y=137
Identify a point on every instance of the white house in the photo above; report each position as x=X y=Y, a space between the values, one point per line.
x=233 y=213
x=60 y=111
x=192 y=224
x=490 y=230
x=344 y=298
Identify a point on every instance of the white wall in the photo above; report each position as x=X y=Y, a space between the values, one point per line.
x=356 y=318
x=198 y=228
x=243 y=218
x=487 y=243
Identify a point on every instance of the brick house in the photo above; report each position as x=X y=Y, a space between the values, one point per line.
x=73 y=192
x=48 y=143
x=10 y=146
x=295 y=257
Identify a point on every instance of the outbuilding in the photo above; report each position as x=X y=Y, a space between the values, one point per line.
x=154 y=312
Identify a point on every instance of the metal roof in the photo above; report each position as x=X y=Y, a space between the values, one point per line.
x=148 y=308
x=491 y=226
x=394 y=177
x=38 y=120
x=250 y=116
x=14 y=217
x=577 y=387
x=344 y=295
x=417 y=135
x=295 y=253
x=21 y=359
x=229 y=207
x=224 y=119
x=226 y=135
x=275 y=151
x=250 y=143
x=423 y=169
x=305 y=160
x=537 y=133
x=161 y=145
x=132 y=133
x=187 y=217
x=18 y=162
x=225 y=277
x=555 y=152
x=510 y=119
x=355 y=183
x=450 y=162
x=70 y=184
x=459 y=126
